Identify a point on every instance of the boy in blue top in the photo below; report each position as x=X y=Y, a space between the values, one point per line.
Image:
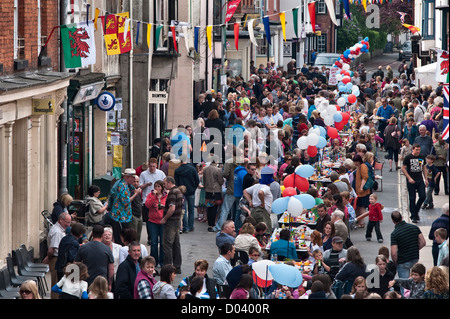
x=432 y=176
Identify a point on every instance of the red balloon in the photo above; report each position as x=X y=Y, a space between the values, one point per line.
x=338 y=107
x=345 y=79
x=332 y=132
x=345 y=117
x=351 y=98
x=339 y=125
x=312 y=150
x=289 y=191
x=302 y=183
x=289 y=181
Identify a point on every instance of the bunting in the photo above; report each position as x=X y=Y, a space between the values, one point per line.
x=282 y=16
x=231 y=8
x=209 y=35
x=331 y=11
x=251 y=32
x=236 y=36
x=312 y=14
x=158 y=35
x=174 y=37
x=149 y=33
x=196 y=34
x=267 y=29
x=295 y=20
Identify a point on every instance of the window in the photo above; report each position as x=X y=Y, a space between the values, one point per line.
x=322 y=43
x=321 y=7
x=165 y=12
x=428 y=19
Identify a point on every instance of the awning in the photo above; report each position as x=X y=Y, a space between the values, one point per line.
x=425 y=75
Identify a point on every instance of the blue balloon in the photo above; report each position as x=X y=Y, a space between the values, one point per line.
x=323 y=131
x=366 y=39
x=307 y=200
x=279 y=206
x=337 y=117
x=364 y=47
x=349 y=86
x=286 y=275
x=305 y=171
x=322 y=142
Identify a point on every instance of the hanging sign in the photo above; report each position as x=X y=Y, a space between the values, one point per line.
x=157 y=97
x=105 y=101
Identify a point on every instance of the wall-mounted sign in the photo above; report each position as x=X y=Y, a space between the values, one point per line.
x=43 y=106
x=88 y=92
x=157 y=97
x=105 y=101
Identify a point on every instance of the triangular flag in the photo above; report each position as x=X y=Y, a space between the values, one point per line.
x=364 y=3
x=251 y=33
x=174 y=37
x=282 y=16
x=411 y=28
x=209 y=35
x=137 y=32
x=347 y=8
x=267 y=29
x=196 y=33
x=312 y=14
x=203 y=148
x=332 y=12
x=295 y=20
x=236 y=35
x=149 y=32
x=187 y=36
x=157 y=35
x=97 y=12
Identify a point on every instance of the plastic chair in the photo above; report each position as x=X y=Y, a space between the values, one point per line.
x=23 y=270
x=16 y=280
x=7 y=291
x=28 y=257
x=378 y=166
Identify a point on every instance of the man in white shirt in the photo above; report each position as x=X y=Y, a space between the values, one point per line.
x=147 y=181
x=222 y=265
x=260 y=200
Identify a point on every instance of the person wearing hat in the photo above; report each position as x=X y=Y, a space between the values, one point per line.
x=122 y=194
x=335 y=257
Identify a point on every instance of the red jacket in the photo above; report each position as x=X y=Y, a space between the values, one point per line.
x=375 y=213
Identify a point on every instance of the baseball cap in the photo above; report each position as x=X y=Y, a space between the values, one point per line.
x=337 y=240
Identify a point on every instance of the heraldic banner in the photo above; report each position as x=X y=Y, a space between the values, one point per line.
x=78 y=44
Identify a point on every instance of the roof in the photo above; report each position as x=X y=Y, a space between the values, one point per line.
x=30 y=79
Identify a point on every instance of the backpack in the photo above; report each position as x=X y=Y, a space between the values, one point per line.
x=371 y=180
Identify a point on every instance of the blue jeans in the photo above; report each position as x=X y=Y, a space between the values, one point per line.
x=188 y=218
x=227 y=205
x=237 y=216
x=156 y=231
x=419 y=187
x=403 y=270
x=429 y=196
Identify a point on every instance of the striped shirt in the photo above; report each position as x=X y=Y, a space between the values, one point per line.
x=406 y=237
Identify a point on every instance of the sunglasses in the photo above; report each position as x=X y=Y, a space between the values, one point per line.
x=27 y=292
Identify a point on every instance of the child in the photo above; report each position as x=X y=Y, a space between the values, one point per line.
x=319 y=266
x=440 y=236
x=433 y=175
x=261 y=234
x=375 y=217
x=436 y=284
x=99 y=289
x=380 y=284
x=359 y=285
x=415 y=283
x=200 y=196
x=351 y=210
x=243 y=287
x=253 y=255
x=405 y=150
x=73 y=285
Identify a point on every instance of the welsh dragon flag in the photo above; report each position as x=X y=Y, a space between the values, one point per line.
x=78 y=44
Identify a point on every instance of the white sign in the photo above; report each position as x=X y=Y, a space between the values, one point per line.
x=157 y=97
x=332 y=78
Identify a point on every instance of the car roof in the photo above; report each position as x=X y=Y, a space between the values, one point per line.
x=329 y=54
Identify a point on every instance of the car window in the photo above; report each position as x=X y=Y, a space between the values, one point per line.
x=325 y=60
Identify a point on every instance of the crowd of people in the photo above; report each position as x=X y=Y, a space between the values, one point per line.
x=235 y=196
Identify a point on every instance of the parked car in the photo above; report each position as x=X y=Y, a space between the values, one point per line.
x=326 y=59
x=405 y=52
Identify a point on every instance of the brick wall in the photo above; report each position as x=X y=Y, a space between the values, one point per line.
x=27 y=29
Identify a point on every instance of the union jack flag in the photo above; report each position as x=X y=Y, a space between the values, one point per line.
x=445 y=133
x=402 y=16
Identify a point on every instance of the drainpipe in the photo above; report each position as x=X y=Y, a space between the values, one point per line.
x=131 y=91
x=62 y=132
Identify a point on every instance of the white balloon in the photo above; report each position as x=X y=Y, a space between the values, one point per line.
x=328 y=120
x=331 y=109
x=302 y=143
x=295 y=207
x=312 y=139
x=338 y=77
x=325 y=103
x=345 y=66
x=324 y=113
x=315 y=130
x=341 y=101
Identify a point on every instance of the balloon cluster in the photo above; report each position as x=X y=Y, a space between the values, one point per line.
x=315 y=139
x=291 y=202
